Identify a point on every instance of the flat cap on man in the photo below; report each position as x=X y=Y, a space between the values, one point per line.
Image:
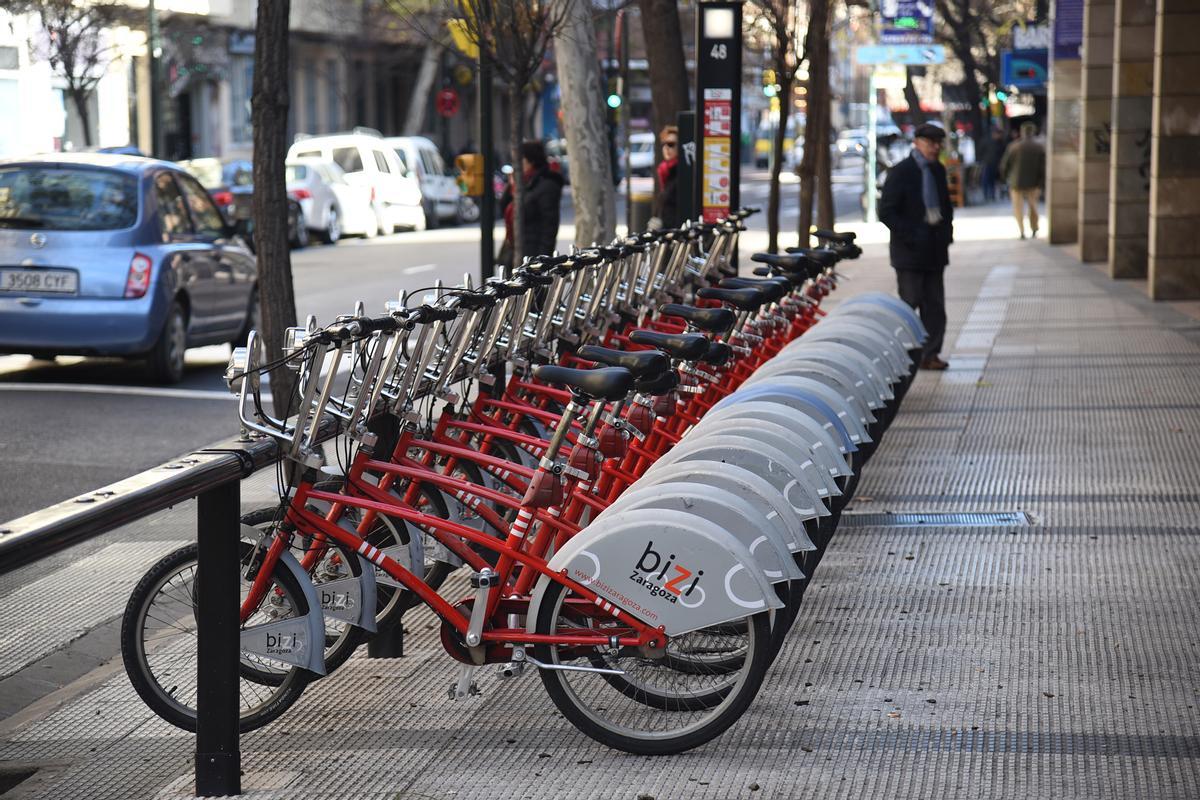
x=931 y=132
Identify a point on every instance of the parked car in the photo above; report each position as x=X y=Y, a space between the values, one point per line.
x=641 y=154
x=231 y=186
x=331 y=206
x=441 y=199
x=367 y=160
x=851 y=143
x=107 y=255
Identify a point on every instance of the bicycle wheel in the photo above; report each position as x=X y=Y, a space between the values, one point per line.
x=341 y=638
x=158 y=643
x=652 y=709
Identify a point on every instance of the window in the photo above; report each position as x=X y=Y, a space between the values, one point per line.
x=403 y=160
x=430 y=161
x=348 y=159
x=381 y=161
x=296 y=172
x=308 y=154
x=67 y=199
x=172 y=213
x=333 y=106
x=241 y=85
x=310 y=97
x=207 y=220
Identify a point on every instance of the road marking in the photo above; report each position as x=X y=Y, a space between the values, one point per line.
x=137 y=391
x=419 y=268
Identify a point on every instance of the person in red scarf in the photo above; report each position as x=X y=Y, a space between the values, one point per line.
x=666 y=205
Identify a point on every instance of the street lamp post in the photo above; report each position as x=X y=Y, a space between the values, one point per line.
x=153 y=49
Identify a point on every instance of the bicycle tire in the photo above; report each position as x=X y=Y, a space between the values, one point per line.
x=649 y=736
x=167 y=701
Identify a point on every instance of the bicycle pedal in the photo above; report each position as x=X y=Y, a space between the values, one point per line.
x=512 y=669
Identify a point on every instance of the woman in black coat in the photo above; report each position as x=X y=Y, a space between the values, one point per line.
x=540 y=200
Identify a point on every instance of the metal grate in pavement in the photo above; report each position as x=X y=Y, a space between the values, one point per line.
x=967 y=519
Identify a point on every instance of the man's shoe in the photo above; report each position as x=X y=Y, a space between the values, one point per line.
x=934 y=363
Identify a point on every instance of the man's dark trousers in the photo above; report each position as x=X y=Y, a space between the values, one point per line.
x=925 y=291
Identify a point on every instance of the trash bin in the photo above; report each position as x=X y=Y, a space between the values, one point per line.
x=641 y=204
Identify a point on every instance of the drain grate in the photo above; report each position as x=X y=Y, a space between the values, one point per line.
x=969 y=519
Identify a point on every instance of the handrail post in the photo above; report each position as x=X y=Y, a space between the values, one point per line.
x=218 y=760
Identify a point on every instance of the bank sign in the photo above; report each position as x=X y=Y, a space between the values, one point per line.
x=718 y=121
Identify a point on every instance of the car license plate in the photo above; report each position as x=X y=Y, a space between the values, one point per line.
x=57 y=281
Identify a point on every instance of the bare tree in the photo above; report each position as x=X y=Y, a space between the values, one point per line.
x=514 y=35
x=816 y=127
x=777 y=19
x=73 y=41
x=583 y=118
x=663 y=34
x=269 y=103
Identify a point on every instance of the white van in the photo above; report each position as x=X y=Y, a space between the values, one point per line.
x=367 y=159
x=439 y=190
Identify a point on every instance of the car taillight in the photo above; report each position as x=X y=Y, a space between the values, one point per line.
x=138 y=280
x=372 y=194
x=223 y=199
x=300 y=194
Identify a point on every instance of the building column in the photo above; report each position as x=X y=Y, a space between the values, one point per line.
x=1175 y=154
x=1095 y=138
x=1062 y=152
x=1129 y=165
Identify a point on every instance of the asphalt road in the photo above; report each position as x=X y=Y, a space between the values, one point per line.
x=79 y=424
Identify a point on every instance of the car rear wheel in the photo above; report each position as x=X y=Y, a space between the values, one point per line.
x=333 y=226
x=165 y=361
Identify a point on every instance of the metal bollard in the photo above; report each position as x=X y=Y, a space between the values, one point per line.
x=218 y=760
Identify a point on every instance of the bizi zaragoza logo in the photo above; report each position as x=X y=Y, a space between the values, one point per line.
x=666 y=578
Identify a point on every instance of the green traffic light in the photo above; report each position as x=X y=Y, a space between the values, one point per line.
x=614 y=101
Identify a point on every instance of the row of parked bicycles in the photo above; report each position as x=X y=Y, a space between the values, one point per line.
x=637 y=457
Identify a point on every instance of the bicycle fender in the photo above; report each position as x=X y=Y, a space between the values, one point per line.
x=896 y=305
x=876 y=334
x=862 y=342
x=778 y=436
x=668 y=568
x=839 y=356
x=299 y=641
x=824 y=447
x=347 y=599
x=803 y=402
x=743 y=482
x=850 y=385
x=846 y=412
x=760 y=458
x=885 y=316
x=733 y=514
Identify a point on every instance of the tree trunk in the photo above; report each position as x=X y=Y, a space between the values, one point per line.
x=912 y=98
x=826 y=213
x=269 y=110
x=515 y=119
x=816 y=51
x=418 y=103
x=583 y=117
x=663 y=36
x=785 y=97
x=79 y=97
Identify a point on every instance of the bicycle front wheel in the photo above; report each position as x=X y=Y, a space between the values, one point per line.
x=158 y=644
x=652 y=708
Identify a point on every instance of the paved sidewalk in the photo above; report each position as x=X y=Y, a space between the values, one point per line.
x=1048 y=650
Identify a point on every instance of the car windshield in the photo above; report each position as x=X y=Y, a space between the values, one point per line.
x=642 y=147
x=67 y=198
x=205 y=170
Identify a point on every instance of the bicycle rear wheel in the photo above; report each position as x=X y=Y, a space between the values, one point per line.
x=158 y=644
x=652 y=709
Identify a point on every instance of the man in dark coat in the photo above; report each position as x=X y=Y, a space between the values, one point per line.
x=916 y=208
x=540 y=201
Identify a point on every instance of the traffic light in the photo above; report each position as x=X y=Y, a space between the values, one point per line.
x=770 y=88
x=470 y=174
x=614 y=98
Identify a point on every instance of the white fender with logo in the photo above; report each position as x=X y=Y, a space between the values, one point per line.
x=822 y=444
x=884 y=316
x=779 y=436
x=762 y=459
x=839 y=356
x=299 y=641
x=872 y=336
x=855 y=416
x=667 y=568
x=737 y=517
x=901 y=308
x=851 y=385
x=863 y=341
x=743 y=482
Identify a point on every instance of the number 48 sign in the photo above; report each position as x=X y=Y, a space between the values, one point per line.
x=718 y=121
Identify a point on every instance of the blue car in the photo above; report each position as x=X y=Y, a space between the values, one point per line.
x=110 y=255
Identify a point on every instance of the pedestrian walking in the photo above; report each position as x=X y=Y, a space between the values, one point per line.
x=542 y=188
x=916 y=208
x=992 y=153
x=666 y=204
x=1024 y=170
